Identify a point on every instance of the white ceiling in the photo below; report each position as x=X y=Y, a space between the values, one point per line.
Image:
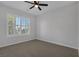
x=21 y=5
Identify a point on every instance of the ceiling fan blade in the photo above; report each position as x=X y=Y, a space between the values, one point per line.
x=39 y=8
x=43 y=4
x=29 y=2
x=31 y=7
x=38 y=2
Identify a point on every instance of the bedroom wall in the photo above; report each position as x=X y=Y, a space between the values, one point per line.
x=78 y=26
x=5 y=40
x=59 y=26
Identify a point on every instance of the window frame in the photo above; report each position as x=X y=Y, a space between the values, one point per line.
x=12 y=35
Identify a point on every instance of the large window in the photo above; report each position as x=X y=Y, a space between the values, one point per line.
x=18 y=25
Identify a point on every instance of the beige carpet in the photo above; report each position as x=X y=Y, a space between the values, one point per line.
x=37 y=48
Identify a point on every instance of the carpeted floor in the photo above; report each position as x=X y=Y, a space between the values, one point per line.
x=37 y=48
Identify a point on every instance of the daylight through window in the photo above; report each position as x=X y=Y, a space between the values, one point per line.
x=18 y=25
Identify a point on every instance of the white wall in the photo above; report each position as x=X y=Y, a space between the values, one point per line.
x=78 y=26
x=4 y=39
x=59 y=26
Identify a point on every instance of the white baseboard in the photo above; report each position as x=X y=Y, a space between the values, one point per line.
x=42 y=39
x=9 y=44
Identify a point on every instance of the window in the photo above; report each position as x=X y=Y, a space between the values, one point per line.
x=18 y=25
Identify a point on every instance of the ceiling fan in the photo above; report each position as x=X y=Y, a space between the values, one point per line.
x=36 y=4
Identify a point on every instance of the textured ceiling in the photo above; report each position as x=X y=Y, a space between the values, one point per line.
x=21 y=5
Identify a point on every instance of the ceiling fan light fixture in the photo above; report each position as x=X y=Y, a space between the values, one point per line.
x=36 y=6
